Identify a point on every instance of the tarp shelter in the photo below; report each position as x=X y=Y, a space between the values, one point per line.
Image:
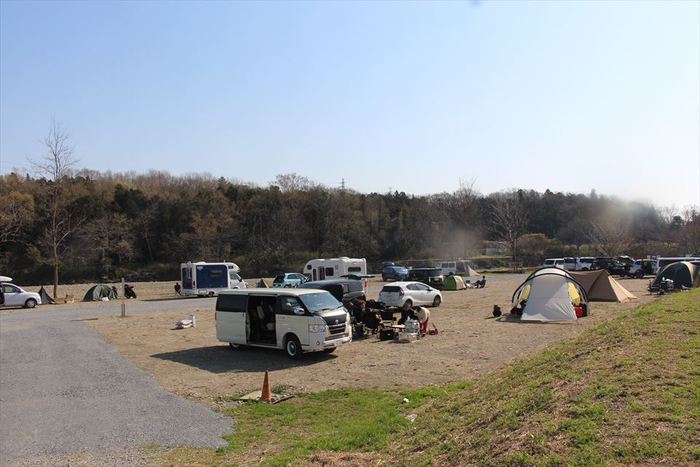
x=549 y=294
x=469 y=272
x=453 y=283
x=682 y=273
x=45 y=297
x=600 y=286
x=98 y=292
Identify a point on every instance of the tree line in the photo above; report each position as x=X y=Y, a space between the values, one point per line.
x=99 y=226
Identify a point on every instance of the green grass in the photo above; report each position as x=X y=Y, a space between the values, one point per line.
x=626 y=392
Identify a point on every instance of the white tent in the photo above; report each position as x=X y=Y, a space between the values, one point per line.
x=549 y=294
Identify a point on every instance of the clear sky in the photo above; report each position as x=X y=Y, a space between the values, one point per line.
x=570 y=96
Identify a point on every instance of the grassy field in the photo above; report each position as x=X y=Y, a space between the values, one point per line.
x=626 y=392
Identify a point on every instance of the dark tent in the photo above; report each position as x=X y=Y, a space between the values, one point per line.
x=45 y=297
x=98 y=292
x=682 y=273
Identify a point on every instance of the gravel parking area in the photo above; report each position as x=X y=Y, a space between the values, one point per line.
x=64 y=390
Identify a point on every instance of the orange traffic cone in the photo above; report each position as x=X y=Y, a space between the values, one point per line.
x=266 y=395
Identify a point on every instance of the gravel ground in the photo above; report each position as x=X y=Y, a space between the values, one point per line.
x=63 y=390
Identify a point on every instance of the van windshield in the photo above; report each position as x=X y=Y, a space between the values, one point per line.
x=322 y=301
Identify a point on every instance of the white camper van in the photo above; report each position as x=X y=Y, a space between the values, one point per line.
x=335 y=268
x=208 y=279
x=295 y=320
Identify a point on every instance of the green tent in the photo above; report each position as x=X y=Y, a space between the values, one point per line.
x=98 y=292
x=45 y=297
x=453 y=283
x=682 y=273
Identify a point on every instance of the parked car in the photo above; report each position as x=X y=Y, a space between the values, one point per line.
x=394 y=273
x=570 y=264
x=584 y=263
x=642 y=267
x=429 y=276
x=15 y=295
x=289 y=279
x=614 y=267
x=554 y=263
x=297 y=321
x=344 y=290
x=407 y=294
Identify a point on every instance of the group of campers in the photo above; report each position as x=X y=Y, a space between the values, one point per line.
x=370 y=315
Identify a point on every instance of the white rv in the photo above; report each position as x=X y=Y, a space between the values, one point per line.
x=335 y=268
x=208 y=279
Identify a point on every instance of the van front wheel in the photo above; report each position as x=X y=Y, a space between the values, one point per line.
x=293 y=347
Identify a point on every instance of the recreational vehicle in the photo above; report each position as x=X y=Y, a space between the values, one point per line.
x=208 y=279
x=335 y=268
x=296 y=320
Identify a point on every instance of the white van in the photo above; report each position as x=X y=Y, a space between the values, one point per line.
x=457 y=267
x=335 y=268
x=554 y=263
x=296 y=320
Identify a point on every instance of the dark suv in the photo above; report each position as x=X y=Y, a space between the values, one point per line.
x=344 y=290
x=394 y=273
x=614 y=267
x=430 y=276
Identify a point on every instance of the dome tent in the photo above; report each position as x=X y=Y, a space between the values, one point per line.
x=682 y=273
x=98 y=292
x=549 y=294
x=453 y=283
x=600 y=286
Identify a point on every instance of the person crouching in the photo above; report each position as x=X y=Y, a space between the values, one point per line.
x=423 y=315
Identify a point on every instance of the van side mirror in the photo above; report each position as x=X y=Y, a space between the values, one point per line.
x=299 y=311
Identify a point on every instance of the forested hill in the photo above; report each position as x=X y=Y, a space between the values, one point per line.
x=100 y=226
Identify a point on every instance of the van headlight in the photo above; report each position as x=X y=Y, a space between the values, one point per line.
x=317 y=328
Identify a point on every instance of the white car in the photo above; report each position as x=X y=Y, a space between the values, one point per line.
x=17 y=296
x=408 y=294
x=554 y=263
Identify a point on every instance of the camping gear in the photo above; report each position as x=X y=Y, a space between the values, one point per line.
x=97 y=292
x=453 y=283
x=682 y=273
x=600 y=286
x=496 y=311
x=549 y=294
x=45 y=297
x=186 y=323
x=386 y=334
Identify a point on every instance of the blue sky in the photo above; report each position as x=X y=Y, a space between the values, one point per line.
x=570 y=96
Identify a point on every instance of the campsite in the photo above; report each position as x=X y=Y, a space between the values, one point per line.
x=342 y=233
x=470 y=343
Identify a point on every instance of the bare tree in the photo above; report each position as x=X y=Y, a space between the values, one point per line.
x=56 y=166
x=18 y=210
x=508 y=218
